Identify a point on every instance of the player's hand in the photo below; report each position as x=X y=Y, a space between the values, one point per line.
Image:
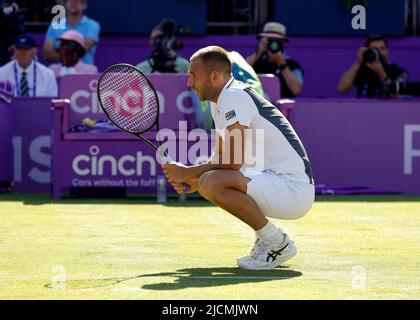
x=193 y=184
x=181 y=187
x=176 y=172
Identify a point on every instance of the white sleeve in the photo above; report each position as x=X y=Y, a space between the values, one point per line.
x=236 y=106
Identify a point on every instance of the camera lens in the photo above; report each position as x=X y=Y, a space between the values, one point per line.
x=274 y=45
x=371 y=55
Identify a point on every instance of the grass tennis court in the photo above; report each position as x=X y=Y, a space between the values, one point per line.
x=350 y=247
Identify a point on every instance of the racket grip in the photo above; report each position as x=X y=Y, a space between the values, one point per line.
x=167 y=159
x=186 y=187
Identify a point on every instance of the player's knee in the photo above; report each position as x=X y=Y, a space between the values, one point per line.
x=209 y=184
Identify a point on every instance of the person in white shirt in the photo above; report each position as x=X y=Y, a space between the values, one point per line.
x=279 y=184
x=29 y=77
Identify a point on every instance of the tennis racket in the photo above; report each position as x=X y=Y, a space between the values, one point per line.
x=129 y=100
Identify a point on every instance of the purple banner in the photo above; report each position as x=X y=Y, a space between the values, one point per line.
x=6 y=149
x=367 y=143
x=26 y=153
x=174 y=98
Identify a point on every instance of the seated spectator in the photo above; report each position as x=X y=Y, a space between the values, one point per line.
x=165 y=46
x=76 y=20
x=72 y=48
x=270 y=57
x=29 y=77
x=372 y=72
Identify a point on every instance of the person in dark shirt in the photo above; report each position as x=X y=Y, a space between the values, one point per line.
x=270 y=57
x=372 y=71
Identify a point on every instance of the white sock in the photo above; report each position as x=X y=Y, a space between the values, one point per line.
x=271 y=234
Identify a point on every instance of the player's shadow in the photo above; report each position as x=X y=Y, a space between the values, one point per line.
x=185 y=278
x=215 y=277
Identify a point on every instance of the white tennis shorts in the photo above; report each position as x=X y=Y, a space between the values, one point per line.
x=280 y=196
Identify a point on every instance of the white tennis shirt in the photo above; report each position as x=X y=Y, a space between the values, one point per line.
x=270 y=140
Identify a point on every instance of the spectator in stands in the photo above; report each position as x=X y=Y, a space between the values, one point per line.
x=165 y=46
x=29 y=77
x=372 y=72
x=76 y=20
x=270 y=57
x=71 y=50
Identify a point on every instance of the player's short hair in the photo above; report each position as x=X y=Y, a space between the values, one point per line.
x=214 y=58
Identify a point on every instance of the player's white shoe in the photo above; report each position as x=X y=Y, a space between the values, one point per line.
x=267 y=256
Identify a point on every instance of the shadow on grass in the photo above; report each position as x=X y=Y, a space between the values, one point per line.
x=187 y=278
x=41 y=199
x=215 y=277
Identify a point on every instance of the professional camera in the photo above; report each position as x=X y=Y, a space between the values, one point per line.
x=166 y=46
x=371 y=55
x=274 y=45
x=400 y=88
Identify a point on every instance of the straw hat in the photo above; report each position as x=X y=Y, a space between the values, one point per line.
x=274 y=30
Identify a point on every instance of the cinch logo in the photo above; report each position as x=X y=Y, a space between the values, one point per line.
x=126 y=165
x=84 y=101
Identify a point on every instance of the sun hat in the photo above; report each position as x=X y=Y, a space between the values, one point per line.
x=274 y=30
x=73 y=35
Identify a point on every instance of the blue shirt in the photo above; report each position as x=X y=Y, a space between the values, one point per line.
x=89 y=28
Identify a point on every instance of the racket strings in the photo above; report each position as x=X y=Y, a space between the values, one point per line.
x=128 y=98
x=140 y=118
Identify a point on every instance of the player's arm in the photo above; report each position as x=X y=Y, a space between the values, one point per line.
x=193 y=183
x=229 y=156
x=229 y=153
x=217 y=152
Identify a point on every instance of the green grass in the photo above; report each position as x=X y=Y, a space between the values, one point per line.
x=349 y=248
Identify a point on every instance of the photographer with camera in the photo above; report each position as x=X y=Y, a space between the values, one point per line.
x=372 y=74
x=271 y=58
x=165 y=46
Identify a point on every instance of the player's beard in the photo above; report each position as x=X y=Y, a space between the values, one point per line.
x=206 y=92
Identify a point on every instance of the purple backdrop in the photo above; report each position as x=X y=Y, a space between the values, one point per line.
x=30 y=154
x=6 y=149
x=369 y=143
x=323 y=58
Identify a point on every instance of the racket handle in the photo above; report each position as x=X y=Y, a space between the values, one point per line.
x=186 y=187
x=167 y=159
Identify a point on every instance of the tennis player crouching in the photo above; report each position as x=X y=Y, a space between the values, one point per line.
x=282 y=189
